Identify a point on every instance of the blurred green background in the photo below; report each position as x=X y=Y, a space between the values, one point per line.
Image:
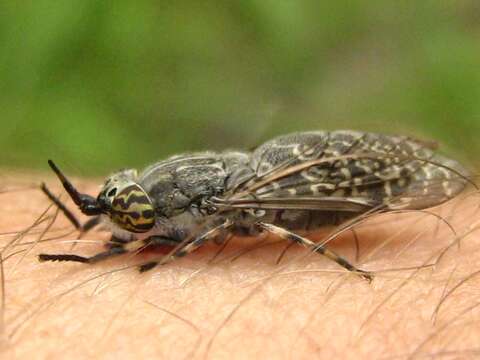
x=98 y=85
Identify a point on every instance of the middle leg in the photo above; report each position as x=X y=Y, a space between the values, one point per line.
x=187 y=247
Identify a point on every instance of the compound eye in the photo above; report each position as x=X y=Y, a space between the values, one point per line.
x=132 y=209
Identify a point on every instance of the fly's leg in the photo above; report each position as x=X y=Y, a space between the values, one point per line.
x=188 y=247
x=113 y=251
x=162 y=241
x=116 y=247
x=90 y=224
x=114 y=241
x=321 y=249
x=83 y=228
x=148 y=242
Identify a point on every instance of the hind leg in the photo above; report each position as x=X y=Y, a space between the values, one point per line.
x=321 y=249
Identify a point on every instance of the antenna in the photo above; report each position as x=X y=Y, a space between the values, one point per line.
x=87 y=204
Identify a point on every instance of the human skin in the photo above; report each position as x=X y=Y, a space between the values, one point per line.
x=241 y=305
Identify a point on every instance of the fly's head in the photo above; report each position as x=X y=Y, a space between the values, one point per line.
x=122 y=199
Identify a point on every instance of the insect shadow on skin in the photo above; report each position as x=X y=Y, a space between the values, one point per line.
x=294 y=183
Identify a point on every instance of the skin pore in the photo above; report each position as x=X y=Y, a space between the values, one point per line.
x=241 y=304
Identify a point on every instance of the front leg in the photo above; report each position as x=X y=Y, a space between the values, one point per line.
x=157 y=240
x=115 y=247
x=83 y=228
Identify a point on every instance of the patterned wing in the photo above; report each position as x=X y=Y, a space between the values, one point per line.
x=347 y=171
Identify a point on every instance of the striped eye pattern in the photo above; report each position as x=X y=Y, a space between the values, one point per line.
x=133 y=210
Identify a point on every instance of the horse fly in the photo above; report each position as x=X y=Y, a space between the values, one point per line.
x=292 y=184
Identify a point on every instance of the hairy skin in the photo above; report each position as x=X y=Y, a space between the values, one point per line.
x=242 y=304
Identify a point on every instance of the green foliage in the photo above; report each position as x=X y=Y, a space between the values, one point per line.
x=98 y=85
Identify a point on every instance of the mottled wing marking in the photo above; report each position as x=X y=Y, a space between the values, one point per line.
x=375 y=169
